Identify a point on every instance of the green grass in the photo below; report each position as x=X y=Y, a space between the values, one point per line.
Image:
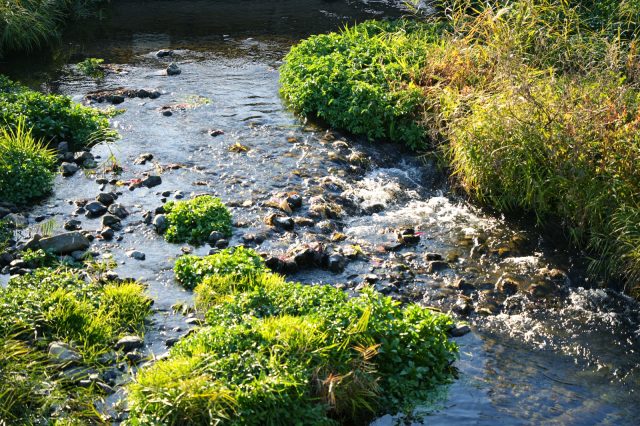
x=27 y=166
x=274 y=352
x=60 y=305
x=533 y=105
x=193 y=220
x=27 y=25
x=91 y=67
x=51 y=118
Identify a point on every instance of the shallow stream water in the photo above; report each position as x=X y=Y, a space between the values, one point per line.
x=547 y=346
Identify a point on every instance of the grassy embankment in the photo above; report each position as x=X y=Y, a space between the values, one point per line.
x=534 y=106
x=27 y=25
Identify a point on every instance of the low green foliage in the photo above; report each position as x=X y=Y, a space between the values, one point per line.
x=362 y=79
x=91 y=67
x=235 y=262
x=26 y=165
x=275 y=352
x=51 y=118
x=39 y=258
x=192 y=221
x=6 y=234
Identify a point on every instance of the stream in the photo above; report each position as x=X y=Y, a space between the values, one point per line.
x=547 y=345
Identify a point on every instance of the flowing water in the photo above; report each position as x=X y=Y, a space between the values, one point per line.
x=547 y=346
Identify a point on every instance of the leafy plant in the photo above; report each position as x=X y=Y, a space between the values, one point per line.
x=362 y=79
x=194 y=220
x=234 y=262
x=91 y=67
x=51 y=118
x=26 y=165
x=274 y=350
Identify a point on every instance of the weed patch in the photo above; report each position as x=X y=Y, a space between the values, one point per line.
x=194 y=220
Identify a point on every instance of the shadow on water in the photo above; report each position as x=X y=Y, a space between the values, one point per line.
x=543 y=349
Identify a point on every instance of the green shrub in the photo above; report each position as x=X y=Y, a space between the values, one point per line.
x=51 y=118
x=6 y=234
x=192 y=221
x=362 y=79
x=39 y=258
x=91 y=67
x=275 y=352
x=237 y=262
x=26 y=165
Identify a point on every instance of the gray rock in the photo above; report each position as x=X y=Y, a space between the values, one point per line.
x=69 y=169
x=118 y=210
x=82 y=157
x=107 y=234
x=79 y=255
x=173 y=69
x=65 y=243
x=95 y=209
x=135 y=254
x=151 y=181
x=459 y=330
x=72 y=225
x=17 y=220
x=111 y=221
x=437 y=266
x=336 y=263
x=160 y=223
x=214 y=237
x=129 y=343
x=62 y=353
x=284 y=222
x=106 y=198
x=5 y=259
x=162 y=53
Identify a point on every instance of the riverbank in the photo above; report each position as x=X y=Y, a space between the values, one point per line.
x=530 y=107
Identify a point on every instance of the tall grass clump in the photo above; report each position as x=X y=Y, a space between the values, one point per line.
x=26 y=165
x=274 y=352
x=533 y=105
x=60 y=305
x=27 y=25
x=51 y=118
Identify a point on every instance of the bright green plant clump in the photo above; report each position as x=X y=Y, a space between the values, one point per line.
x=56 y=304
x=362 y=79
x=236 y=262
x=26 y=165
x=275 y=352
x=192 y=221
x=91 y=67
x=60 y=305
x=51 y=118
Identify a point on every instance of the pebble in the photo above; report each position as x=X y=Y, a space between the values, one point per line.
x=69 y=169
x=173 y=69
x=95 y=209
x=135 y=254
x=151 y=181
x=129 y=343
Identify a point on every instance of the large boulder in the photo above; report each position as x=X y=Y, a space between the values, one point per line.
x=65 y=243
